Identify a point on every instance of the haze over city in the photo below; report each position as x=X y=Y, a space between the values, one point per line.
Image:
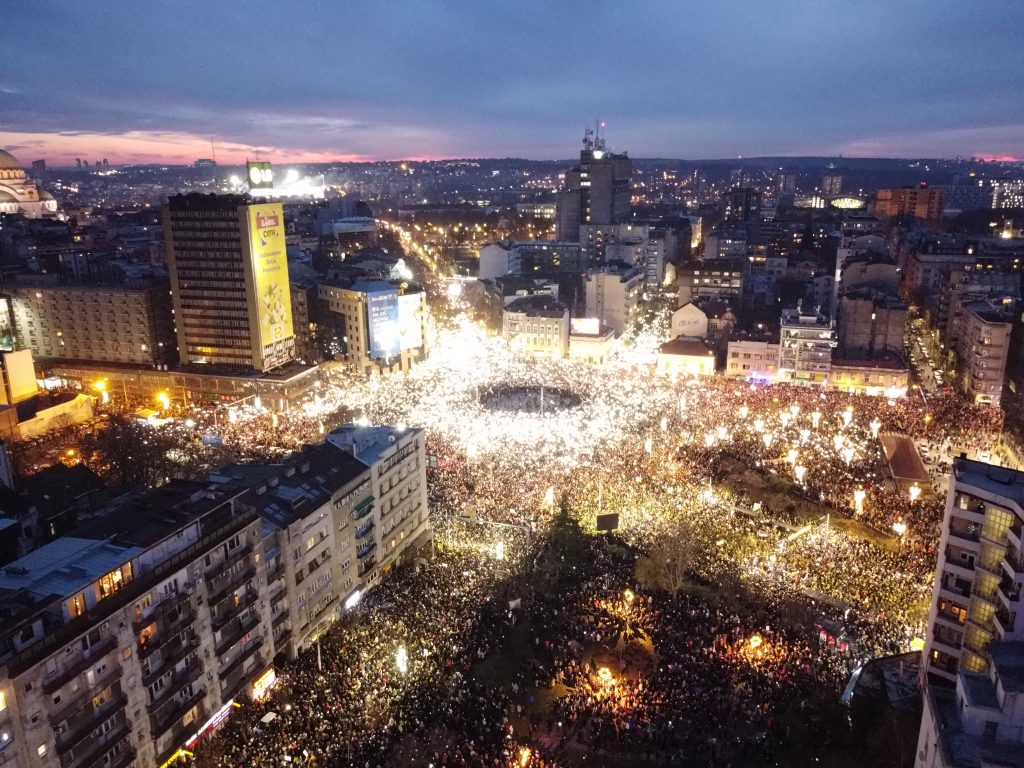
x=434 y=79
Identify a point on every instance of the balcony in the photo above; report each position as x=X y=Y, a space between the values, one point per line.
x=219 y=592
x=950 y=586
x=1013 y=533
x=1009 y=590
x=171 y=654
x=101 y=746
x=90 y=657
x=172 y=610
x=233 y=557
x=219 y=621
x=1005 y=621
x=279 y=616
x=363 y=508
x=179 y=680
x=366 y=565
x=366 y=549
x=124 y=758
x=235 y=631
x=965 y=535
x=363 y=532
x=989 y=596
x=171 y=711
x=79 y=727
x=248 y=651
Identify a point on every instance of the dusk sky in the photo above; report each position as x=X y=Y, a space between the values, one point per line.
x=317 y=81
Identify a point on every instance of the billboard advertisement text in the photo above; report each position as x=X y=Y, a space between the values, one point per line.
x=382 y=312
x=270 y=272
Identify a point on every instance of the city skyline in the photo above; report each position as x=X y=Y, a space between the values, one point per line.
x=439 y=80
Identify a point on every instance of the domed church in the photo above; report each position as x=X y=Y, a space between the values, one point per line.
x=19 y=194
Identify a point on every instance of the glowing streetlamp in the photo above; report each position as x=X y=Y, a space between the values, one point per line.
x=101 y=387
x=838 y=441
x=858 y=500
x=800 y=471
x=791 y=456
x=875 y=426
x=815 y=418
x=709 y=440
x=915 y=492
x=759 y=425
x=499 y=550
x=402 y=659
x=899 y=527
x=549 y=496
x=164 y=399
x=723 y=433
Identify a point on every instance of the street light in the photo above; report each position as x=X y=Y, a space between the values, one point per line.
x=899 y=527
x=101 y=387
x=164 y=399
x=767 y=439
x=800 y=472
x=915 y=492
x=815 y=418
x=792 y=455
x=875 y=426
x=402 y=659
x=499 y=550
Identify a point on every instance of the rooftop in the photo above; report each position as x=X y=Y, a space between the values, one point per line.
x=999 y=481
x=367 y=444
x=685 y=346
x=539 y=305
x=64 y=566
x=1008 y=659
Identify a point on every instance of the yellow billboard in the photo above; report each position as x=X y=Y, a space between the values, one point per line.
x=270 y=272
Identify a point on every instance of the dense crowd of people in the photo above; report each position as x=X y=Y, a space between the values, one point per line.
x=666 y=680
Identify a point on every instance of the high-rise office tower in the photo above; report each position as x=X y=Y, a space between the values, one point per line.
x=229 y=280
x=596 y=191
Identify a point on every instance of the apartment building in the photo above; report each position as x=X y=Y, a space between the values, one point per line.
x=105 y=323
x=973 y=661
x=612 y=294
x=753 y=357
x=124 y=643
x=980 y=570
x=983 y=345
x=806 y=341
x=392 y=523
x=537 y=324
x=311 y=506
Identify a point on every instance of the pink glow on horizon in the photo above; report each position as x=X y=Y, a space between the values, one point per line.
x=146 y=147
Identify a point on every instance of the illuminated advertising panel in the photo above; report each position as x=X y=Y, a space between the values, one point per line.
x=259 y=174
x=270 y=272
x=382 y=312
x=410 y=320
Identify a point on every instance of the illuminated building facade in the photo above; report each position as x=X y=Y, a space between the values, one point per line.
x=918 y=202
x=19 y=194
x=229 y=281
x=113 y=324
x=976 y=596
x=806 y=341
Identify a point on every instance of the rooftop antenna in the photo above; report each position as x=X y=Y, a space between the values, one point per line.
x=598 y=140
x=213 y=150
x=588 y=138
